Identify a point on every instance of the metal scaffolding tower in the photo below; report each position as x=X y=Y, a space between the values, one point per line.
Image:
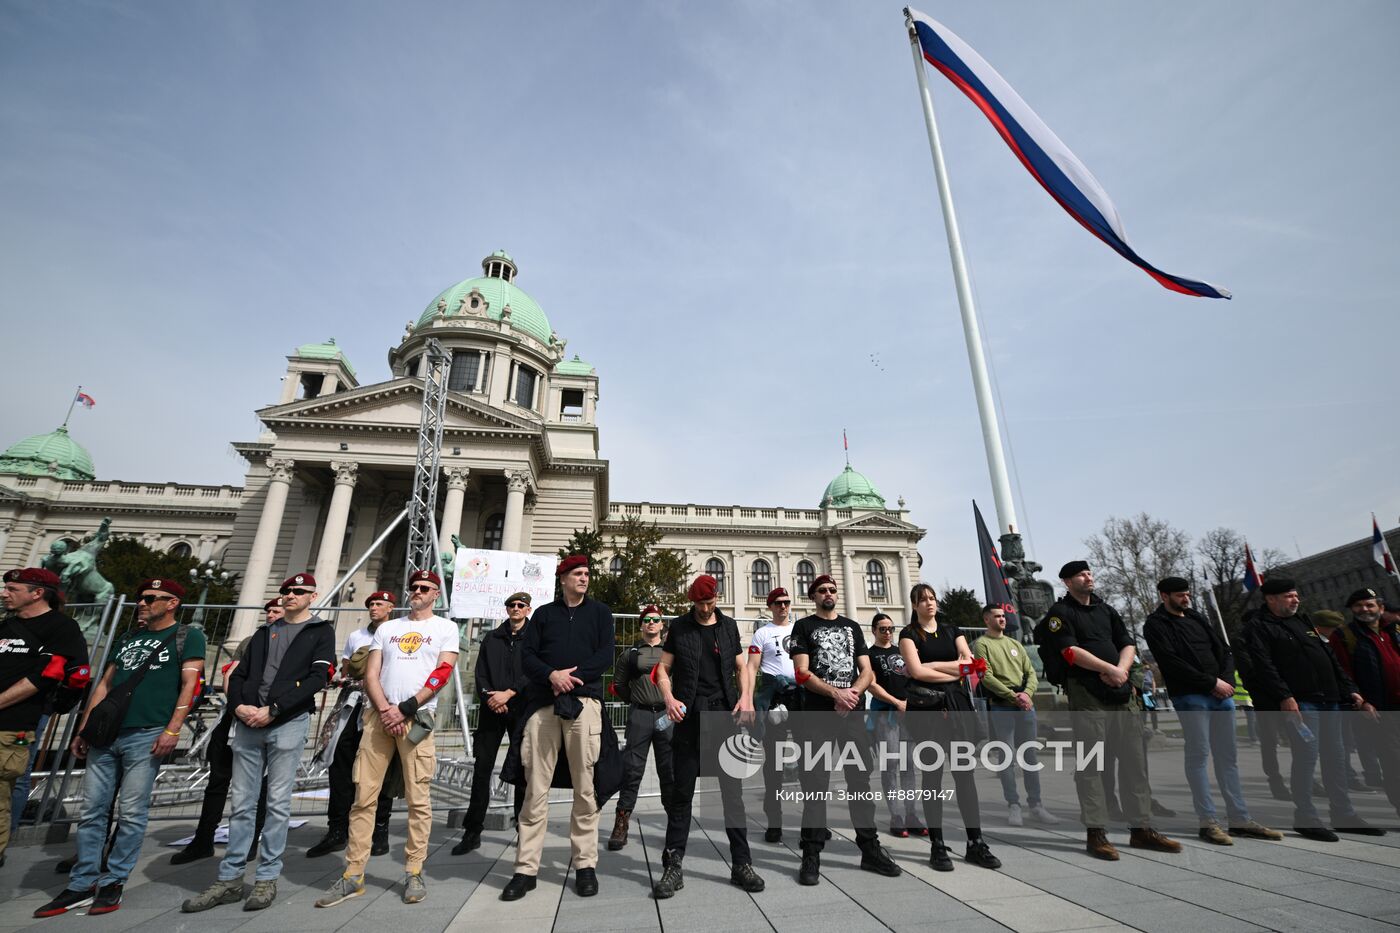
x=422 y=525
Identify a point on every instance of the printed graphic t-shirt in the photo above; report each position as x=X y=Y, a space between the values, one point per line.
x=890 y=671
x=832 y=647
x=155 y=697
x=26 y=647
x=410 y=651
x=773 y=642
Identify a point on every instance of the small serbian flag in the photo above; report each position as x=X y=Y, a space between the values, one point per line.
x=1252 y=577
x=85 y=400
x=1379 y=549
x=1049 y=160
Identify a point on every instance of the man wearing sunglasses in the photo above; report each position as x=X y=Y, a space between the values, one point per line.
x=769 y=655
x=411 y=659
x=346 y=740
x=272 y=693
x=632 y=681
x=499 y=687
x=149 y=732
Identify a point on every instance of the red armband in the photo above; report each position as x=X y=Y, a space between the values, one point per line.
x=612 y=689
x=78 y=677
x=801 y=676
x=54 y=669
x=438 y=678
x=224 y=670
x=754 y=649
x=652 y=675
x=1068 y=655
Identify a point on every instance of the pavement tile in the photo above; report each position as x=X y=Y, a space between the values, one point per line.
x=1039 y=913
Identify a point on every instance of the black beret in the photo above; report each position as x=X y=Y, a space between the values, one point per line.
x=1277 y=586
x=1362 y=594
x=1173 y=585
x=1072 y=568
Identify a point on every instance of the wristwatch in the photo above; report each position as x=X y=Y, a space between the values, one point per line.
x=273 y=710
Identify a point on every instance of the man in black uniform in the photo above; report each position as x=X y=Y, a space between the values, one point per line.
x=699 y=675
x=632 y=681
x=499 y=685
x=1090 y=636
x=831 y=661
x=1292 y=669
x=40 y=649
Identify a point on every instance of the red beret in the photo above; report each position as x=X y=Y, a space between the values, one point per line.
x=33 y=576
x=275 y=602
x=301 y=579
x=165 y=585
x=824 y=578
x=651 y=609
x=380 y=594
x=777 y=593
x=704 y=588
x=571 y=562
x=420 y=575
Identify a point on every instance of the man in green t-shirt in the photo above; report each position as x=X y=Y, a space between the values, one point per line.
x=149 y=732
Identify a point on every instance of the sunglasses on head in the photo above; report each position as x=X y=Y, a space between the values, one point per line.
x=517 y=605
x=295 y=591
x=422 y=588
x=150 y=598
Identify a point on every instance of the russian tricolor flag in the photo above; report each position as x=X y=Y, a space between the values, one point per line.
x=1049 y=160
x=1379 y=549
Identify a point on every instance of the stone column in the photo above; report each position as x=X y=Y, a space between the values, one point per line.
x=906 y=583
x=739 y=581
x=290 y=382
x=333 y=533
x=515 y=509
x=254 y=589
x=849 y=583
x=329 y=384
x=452 y=508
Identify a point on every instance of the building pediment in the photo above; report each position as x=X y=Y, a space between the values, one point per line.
x=877 y=523
x=393 y=405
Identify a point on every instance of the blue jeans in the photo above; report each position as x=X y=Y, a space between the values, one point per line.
x=1323 y=721
x=21 y=794
x=1016 y=727
x=129 y=761
x=1208 y=723
x=278 y=749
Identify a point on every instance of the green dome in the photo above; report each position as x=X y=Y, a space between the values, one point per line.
x=54 y=454
x=575 y=367
x=525 y=315
x=852 y=490
x=324 y=351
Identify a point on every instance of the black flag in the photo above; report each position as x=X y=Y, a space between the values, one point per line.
x=995 y=586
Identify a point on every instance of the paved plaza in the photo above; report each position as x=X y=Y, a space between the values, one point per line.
x=1047 y=883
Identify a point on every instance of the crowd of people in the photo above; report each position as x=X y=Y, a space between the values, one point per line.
x=690 y=684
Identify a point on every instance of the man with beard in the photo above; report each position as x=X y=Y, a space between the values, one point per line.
x=700 y=675
x=1292 y=669
x=633 y=682
x=500 y=686
x=1375 y=658
x=350 y=710
x=775 y=699
x=831 y=661
x=1091 y=637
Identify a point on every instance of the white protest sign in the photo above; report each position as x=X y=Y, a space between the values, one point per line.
x=481 y=581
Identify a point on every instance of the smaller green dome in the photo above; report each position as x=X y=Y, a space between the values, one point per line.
x=575 y=367
x=852 y=490
x=54 y=454
x=324 y=351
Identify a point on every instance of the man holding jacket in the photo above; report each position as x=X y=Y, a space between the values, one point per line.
x=272 y=693
x=1199 y=671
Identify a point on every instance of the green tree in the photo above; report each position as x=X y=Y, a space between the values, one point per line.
x=961 y=607
x=127 y=562
x=649 y=574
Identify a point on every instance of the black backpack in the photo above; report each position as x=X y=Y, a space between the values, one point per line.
x=1051 y=660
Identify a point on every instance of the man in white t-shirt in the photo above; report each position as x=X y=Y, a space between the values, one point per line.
x=768 y=655
x=345 y=741
x=410 y=660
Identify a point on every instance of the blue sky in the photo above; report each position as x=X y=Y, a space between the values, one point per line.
x=729 y=209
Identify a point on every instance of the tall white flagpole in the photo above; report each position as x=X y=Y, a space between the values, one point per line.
x=986 y=407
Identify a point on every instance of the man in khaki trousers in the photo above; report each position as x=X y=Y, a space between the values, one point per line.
x=569 y=645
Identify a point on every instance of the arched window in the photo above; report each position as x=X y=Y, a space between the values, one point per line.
x=181 y=550
x=495 y=532
x=762 y=578
x=875 y=580
x=715 y=568
x=806 y=573
x=615 y=565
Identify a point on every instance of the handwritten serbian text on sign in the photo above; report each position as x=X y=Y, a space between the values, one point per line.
x=481 y=581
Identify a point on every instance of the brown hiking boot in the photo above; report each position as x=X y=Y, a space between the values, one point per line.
x=1098 y=846
x=1148 y=838
x=618 y=839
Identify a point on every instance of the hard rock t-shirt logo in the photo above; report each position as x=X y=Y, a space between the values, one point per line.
x=410 y=642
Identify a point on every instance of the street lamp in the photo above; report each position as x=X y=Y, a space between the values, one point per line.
x=206 y=573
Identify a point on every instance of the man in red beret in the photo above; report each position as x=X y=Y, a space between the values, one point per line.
x=410 y=660
x=569 y=645
x=345 y=742
x=149 y=730
x=701 y=674
x=632 y=682
x=41 y=650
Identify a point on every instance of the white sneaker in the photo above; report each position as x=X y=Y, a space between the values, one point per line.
x=1043 y=816
x=1013 y=815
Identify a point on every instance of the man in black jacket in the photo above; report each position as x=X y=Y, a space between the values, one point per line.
x=500 y=687
x=1292 y=669
x=1199 y=671
x=1375 y=662
x=569 y=644
x=700 y=684
x=272 y=693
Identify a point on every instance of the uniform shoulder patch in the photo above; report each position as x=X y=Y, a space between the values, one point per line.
x=1056 y=624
